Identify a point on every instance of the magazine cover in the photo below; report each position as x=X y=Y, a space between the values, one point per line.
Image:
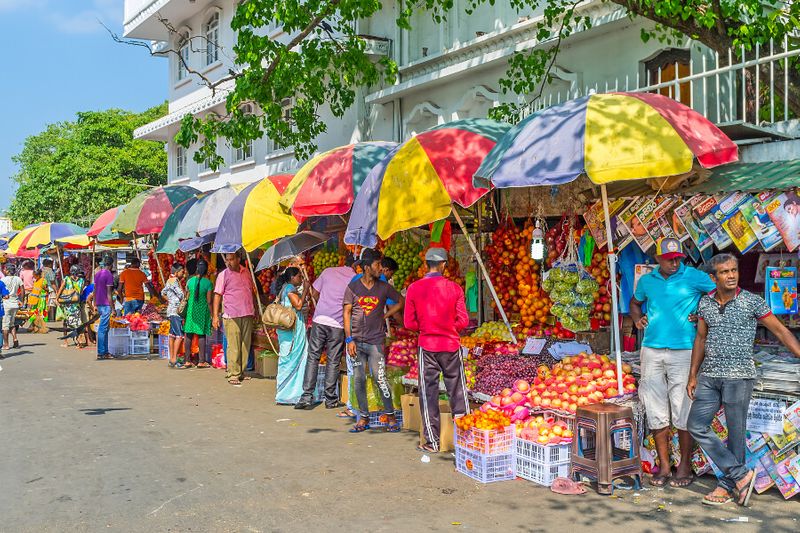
x=661 y=225
x=630 y=222
x=596 y=220
x=758 y=219
x=695 y=231
x=711 y=216
x=784 y=211
x=735 y=224
x=781 y=290
x=640 y=223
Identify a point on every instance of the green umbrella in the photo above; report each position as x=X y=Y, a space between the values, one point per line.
x=149 y=210
x=179 y=226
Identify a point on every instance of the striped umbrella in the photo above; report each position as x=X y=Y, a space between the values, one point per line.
x=147 y=212
x=255 y=217
x=329 y=182
x=40 y=235
x=179 y=226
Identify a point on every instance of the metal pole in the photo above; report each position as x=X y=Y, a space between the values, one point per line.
x=484 y=272
x=612 y=275
x=479 y=221
x=255 y=287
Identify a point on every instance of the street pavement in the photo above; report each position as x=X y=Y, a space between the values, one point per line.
x=130 y=445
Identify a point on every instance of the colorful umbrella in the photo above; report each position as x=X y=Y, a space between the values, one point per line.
x=209 y=210
x=291 y=246
x=149 y=210
x=103 y=221
x=5 y=237
x=255 y=217
x=178 y=226
x=418 y=182
x=329 y=182
x=40 y=235
x=608 y=137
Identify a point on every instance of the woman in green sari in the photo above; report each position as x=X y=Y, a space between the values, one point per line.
x=198 y=312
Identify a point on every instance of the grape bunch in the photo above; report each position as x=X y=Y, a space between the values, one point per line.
x=406 y=254
x=497 y=372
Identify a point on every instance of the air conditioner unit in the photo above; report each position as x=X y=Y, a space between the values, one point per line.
x=377 y=46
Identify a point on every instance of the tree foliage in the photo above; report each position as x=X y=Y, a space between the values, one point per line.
x=325 y=61
x=73 y=171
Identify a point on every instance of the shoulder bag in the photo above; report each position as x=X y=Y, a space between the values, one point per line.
x=279 y=316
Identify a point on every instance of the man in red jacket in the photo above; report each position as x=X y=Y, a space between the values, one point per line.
x=435 y=307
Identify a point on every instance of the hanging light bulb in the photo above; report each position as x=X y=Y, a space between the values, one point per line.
x=537 y=243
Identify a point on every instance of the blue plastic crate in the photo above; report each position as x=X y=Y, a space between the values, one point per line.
x=375 y=419
x=163 y=346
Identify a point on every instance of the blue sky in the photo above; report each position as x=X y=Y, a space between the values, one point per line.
x=59 y=60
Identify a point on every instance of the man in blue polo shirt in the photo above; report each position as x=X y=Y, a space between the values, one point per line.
x=671 y=292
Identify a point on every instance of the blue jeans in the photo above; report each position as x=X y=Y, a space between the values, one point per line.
x=734 y=396
x=102 y=329
x=132 y=306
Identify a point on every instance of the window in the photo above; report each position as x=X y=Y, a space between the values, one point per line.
x=180 y=161
x=183 y=58
x=203 y=166
x=212 y=39
x=670 y=65
x=286 y=104
x=243 y=153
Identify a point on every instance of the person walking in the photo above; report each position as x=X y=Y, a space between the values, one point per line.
x=132 y=282
x=199 y=291
x=723 y=374
x=173 y=294
x=365 y=335
x=671 y=292
x=49 y=276
x=69 y=297
x=26 y=274
x=435 y=307
x=11 y=304
x=103 y=300
x=234 y=295
x=3 y=294
x=292 y=344
x=327 y=334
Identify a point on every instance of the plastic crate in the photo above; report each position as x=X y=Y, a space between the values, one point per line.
x=569 y=420
x=486 y=441
x=542 y=464
x=139 y=346
x=163 y=346
x=486 y=468
x=119 y=346
x=145 y=334
x=119 y=332
x=319 y=390
x=376 y=422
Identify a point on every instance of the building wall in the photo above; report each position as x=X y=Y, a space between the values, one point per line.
x=5 y=225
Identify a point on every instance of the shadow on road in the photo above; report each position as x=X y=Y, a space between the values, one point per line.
x=103 y=410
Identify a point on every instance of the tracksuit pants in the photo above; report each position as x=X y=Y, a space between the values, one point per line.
x=431 y=365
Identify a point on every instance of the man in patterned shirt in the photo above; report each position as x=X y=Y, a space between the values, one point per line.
x=723 y=374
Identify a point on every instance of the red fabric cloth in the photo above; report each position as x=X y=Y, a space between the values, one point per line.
x=435 y=307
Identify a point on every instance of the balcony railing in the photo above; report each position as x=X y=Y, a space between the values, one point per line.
x=746 y=88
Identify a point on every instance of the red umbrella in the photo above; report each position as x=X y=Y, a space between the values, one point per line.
x=103 y=221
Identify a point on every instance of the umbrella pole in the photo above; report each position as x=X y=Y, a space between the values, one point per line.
x=484 y=272
x=94 y=245
x=612 y=270
x=153 y=243
x=60 y=265
x=258 y=296
x=308 y=281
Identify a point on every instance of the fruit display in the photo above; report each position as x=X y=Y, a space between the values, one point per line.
x=265 y=278
x=413 y=372
x=452 y=270
x=488 y=332
x=163 y=328
x=150 y=312
x=484 y=420
x=572 y=291
x=500 y=371
x=117 y=323
x=471 y=373
x=406 y=253
x=403 y=351
x=515 y=275
x=545 y=431
x=575 y=381
x=556 y=240
x=601 y=308
x=137 y=322
x=325 y=259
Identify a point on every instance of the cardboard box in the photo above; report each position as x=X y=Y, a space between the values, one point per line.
x=267 y=367
x=344 y=389
x=411 y=417
x=445 y=428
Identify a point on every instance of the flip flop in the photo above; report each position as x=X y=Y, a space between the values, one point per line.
x=344 y=414
x=394 y=428
x=745 y=492
x=681 y=482
x=721 y=500
x=659 y=481
x=359 y=429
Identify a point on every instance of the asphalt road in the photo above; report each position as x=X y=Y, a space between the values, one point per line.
x=130 y=445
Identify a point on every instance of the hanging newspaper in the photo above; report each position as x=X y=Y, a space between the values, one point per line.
x=710 y=216
x=695 y=230
x=596 y=220
x=662 y=227
x=638 y=224
x=735 y=224
x=625 y=221
x=758 y=219
x=784 y=211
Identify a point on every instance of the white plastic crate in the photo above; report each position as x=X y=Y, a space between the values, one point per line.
x=486 y=468
x=375 y=419
x=119 y=346
x=486 y=441
x=145 y=334
x=119 y=332
x=139 y=346
x=542 y=464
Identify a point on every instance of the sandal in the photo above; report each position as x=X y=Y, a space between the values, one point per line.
x=659 y=481
x=359 y=428
x=744 y=493
x=681 y=482
x=347 y=413
x=424 y=448
x=203 y=365
x=234 y=381
x=188 y=365
x=717 y=497
x=394 y=428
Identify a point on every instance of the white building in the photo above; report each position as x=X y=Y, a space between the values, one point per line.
x=450 y=71
x=5 y=225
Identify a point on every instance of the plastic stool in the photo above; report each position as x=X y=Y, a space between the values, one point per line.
x=605 y=445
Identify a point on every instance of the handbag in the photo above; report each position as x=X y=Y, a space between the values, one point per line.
x=69 y=295
x=182 y=307
x=279 y=316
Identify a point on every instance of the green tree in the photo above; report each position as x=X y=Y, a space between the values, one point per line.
x=325 y=62
x=73 y=171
